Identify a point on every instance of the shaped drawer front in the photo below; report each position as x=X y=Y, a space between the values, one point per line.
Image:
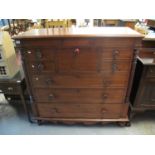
x=105 y=95
x=80 y=80
x=62 y=110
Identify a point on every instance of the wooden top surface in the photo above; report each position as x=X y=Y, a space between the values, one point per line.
x=149 y=38
x=147 y=61
x=80 y=32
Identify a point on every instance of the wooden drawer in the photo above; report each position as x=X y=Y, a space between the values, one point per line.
x=77 y=59
x=114 y=66
x=45 y=42
x=9 y=88
x=41 y=67
x=62 y=110
x=83 y=60
x=104 y=95
x=88 y=60
x=114 y=42
x=77 y=42
x=40 y=54
x=80 y=80
x=116 y=53
x=147 y=53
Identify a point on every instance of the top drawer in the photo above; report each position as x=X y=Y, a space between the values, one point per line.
x=77 y=42
x=97 y=42
x=114 y=42
x=42 y=43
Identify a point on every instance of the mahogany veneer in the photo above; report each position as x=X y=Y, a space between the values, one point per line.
x=81 y=74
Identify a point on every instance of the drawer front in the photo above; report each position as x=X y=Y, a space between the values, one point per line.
x=40 y=54
x=80 y=95
x=55 y=43
x=80 y=80
x=62 y=110
x=150 y=71
x=116 y=53
x=147 y=53
x=114 y=42
x=88 y=60
x=9 y=88
x=115 y=66
x=77 y=42
x=77 y=59
x=41 y=67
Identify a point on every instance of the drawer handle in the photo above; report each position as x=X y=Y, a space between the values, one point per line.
x=29 y=52
x=103 y=111
x=77 y=51
x=50 y=97
x=10 y=88
x=114 y=67
x=9 y=98
x=49 y=81
x=115 y=54
x=40 y=66
x=105 y=96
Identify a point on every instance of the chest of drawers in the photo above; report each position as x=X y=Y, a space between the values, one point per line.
x=80 y=75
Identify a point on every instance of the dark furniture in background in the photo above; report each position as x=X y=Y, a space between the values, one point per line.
x=143 y=89
x=14 y=91
x=151 y=23
x=79 y=75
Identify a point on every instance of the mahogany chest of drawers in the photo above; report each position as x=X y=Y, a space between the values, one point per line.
x=81 y=74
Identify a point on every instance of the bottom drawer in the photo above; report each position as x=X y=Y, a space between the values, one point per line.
x=61 y=110
x=9 y=88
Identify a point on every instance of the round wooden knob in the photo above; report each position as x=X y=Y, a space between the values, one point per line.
x=77 y=51
x=103 y=111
